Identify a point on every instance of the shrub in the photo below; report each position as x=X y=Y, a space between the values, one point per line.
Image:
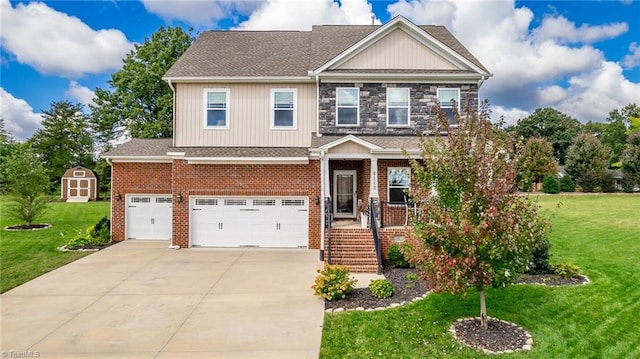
x=381 y=288
x=607 y=183
x=333 y=282
x=567 y=270
x=396 y=257
x=550 y=185
x=628 y=182
x=100 y=233
x=567 y=185
x=77 y=242
x=540 y=260
x=411 y=278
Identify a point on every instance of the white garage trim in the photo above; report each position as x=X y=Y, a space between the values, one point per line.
x=237 y=221
x=148 y=216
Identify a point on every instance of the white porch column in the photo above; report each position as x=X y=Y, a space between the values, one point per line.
x=324 y=188
x=373 y=179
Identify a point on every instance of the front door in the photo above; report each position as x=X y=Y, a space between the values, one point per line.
x=344 y=194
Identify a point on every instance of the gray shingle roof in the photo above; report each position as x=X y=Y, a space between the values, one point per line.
x=257 y=152
x=141 y=147
x=386 y=142
x=282 y=53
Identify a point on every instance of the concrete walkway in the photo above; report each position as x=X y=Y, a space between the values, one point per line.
x=142 y=300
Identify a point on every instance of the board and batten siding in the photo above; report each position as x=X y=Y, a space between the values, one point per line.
x=249 y=117
x=398 y=50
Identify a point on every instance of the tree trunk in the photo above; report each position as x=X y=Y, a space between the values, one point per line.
x=483 y=312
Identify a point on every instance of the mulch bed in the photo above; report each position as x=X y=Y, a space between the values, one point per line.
x=405 y=291
x=87 y=248
x=30 y=227
x=551 y=279
x=501 y=337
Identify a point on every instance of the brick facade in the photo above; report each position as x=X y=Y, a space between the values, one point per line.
x=373 y=103
x=216 y=180
x=135 y=178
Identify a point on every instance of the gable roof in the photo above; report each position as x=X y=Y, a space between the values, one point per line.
x=250 y=54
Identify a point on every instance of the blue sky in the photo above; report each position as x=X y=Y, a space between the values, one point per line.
x=581 y=57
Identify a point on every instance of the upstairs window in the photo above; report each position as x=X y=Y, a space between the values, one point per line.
x=283 y=108
x=449 y=99
x=347 y=103
x=398 y=107
x=217 y=108
x=398 y=183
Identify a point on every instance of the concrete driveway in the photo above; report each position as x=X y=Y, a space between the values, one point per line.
x=142 y=300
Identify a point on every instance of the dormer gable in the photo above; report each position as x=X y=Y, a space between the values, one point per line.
x=401 y=45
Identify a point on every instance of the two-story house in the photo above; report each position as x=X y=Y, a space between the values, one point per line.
x=279 y=134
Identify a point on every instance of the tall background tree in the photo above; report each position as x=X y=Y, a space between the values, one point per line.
x=472 y=230
x=8 y=147
x=587 y=161
x=536 y=162
x=559 y=129
x=630 y=158
x=27 y=182
x=138 y=101
x=65 y=140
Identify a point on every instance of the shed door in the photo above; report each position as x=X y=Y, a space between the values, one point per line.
x=79 y=188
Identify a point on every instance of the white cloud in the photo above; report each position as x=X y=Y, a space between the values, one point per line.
x=632 y=59
x=301 y=15
x=58 y=44
x=510 y=116
x=549 y=96
x=19 y=118
x=199 y=13
x=593 y=94
x=564 y=31
x=533 y=66
x=80 y=93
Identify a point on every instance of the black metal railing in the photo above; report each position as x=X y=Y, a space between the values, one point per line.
x=373 y=218
x=396 y=213
x=328 y=218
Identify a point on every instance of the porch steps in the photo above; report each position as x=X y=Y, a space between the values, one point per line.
x=353 y=248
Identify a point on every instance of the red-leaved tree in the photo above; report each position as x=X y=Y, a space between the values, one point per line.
x=472 y=230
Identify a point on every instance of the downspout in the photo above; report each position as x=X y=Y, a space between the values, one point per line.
x=322 y=205
x=318 y=106
x=173 y=119
x=110 y=163
x=481 y=81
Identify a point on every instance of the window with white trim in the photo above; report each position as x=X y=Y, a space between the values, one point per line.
x=398 y=107
x=347 y=106
x=398 y=183
x=216 y=113
x=283 y=108
x=449 y=99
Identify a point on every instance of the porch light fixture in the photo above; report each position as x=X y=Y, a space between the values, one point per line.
x=118 y=197
x=179 y=198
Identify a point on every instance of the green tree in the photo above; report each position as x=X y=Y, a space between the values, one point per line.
x=587 y=161
x=630 y=157
x=8 y=147
x=139 y=101
x=472 y=230
x=65 y=139
x=559 y=129
x=27 y=181
x=536 y=161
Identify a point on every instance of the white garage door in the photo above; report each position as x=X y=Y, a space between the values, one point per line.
x=256 y=221
x=148 y=217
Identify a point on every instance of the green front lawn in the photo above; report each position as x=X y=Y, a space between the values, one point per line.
x=600 y=233
x=25 y=255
